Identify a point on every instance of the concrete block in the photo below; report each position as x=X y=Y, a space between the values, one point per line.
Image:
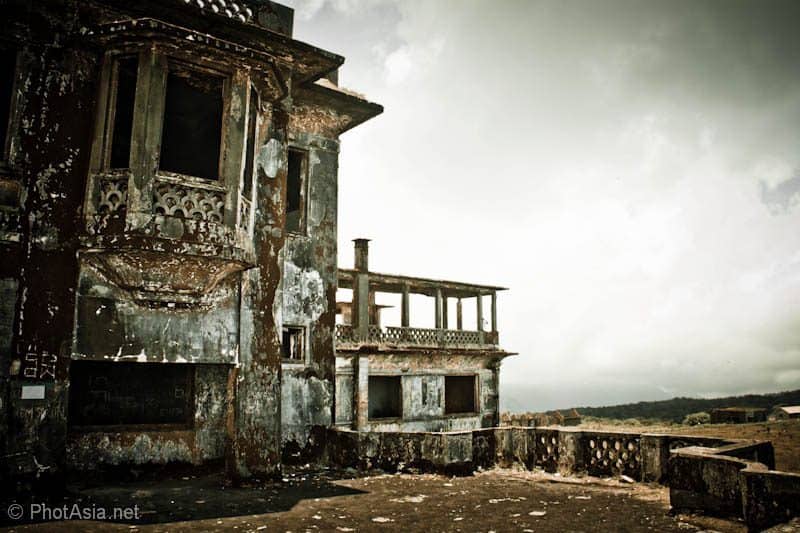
x=769 y=497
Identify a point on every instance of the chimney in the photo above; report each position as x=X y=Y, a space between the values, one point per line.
x=362 y=255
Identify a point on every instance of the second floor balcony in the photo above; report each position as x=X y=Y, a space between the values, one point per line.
x=360 y=321
x=347 y=335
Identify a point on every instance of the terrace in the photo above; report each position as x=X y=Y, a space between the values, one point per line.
x=361 y=317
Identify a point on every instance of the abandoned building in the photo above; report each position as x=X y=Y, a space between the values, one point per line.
x=169 y=240
x=168 y=275
x=738 y=415
x=786 y=412
x=169 y=204
x=402 y=378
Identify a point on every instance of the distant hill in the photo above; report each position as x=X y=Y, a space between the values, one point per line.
x=677 y=408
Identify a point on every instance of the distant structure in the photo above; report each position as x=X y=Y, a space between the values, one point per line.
x=567 y=418
x=738 y=415
x=550 y=418
x=403 y=378
x=786 y=412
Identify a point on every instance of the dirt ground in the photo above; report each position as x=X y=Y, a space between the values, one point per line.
x=496 y=500
x=784 y=435
x=337 y=500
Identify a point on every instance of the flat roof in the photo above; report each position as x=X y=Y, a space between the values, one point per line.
x=427 y=286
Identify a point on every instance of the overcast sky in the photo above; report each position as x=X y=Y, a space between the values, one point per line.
x=631 y=170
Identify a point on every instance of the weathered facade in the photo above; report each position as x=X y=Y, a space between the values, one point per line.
x=415 y=379
x=168 y=204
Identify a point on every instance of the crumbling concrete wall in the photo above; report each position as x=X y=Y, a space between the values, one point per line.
x=733 y=480
x=110 y=325
x=56 y=86
x=423 y=389
x=710 y=485
x=769 y=498
x=308 y=295
x=141 y=285
x=720 y=477
x=203 y=441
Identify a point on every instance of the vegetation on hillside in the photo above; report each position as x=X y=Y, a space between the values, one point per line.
x=676 y=409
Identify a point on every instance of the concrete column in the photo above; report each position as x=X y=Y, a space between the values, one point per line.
x=360 y=316
x=495 y=396
x=570 y=452
x=438 y=319
x=148 y=110
x=362 y=255
x=361 y=403
x=372 y=309
x=459 y=320
x=236 y=128
x=255 y=447
x=404 y=308
x=494 y=312
x=480 y=312
x=445 y=321
x=655 y=454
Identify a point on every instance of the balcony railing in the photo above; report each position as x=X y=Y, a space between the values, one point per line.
x=184 y=199
x=173 y=195
x=348 y=335
x=112 y=192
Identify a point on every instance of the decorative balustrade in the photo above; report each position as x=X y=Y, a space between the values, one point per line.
x=455 y=336
x=346 y=334
x=189 y=200
x=112 y=193
x=172 y=196
x=374 y=334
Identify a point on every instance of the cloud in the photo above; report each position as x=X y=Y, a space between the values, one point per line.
x=781 y=197
x=407 y=60
x=629 y=169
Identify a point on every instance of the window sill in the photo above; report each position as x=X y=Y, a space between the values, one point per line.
x=183 y=179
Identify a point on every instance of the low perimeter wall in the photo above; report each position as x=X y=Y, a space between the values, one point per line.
x=732 y=478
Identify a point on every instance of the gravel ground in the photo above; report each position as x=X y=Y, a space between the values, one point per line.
x=331 y=500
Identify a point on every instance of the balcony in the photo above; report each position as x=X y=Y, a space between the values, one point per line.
x=347 y=336
x=360 y=321
x=170 y=192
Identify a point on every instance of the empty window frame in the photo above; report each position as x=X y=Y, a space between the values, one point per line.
x=8 y=69
x=192 y=131
x=125 y=73
x=293 y=344
x=385 y=397
x=295 y=190
x=104 y=393
x=459 y=394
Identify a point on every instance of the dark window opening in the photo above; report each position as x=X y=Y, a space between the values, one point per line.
x=8 y=63
x=292 y=343
x=294 y=190
x=103 y=393
x=190 y=142
x=250 y=151
x=385 y=397
x=459 y=394
x=127 y=68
